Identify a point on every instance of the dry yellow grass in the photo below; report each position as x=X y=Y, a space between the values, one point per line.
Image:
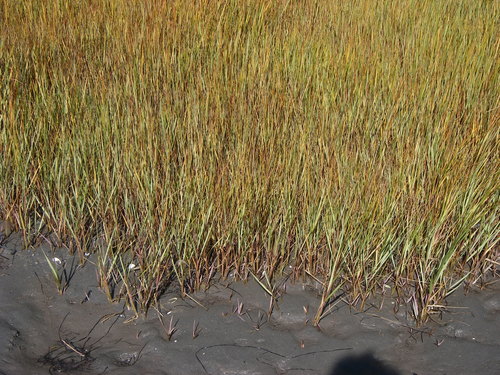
x=354 y=140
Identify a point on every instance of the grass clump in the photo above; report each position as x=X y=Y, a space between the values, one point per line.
x=355 y=141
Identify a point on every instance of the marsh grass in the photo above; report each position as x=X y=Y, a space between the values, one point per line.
x=353 y=141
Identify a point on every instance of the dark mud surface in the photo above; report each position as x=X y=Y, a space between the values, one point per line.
x=80 y=332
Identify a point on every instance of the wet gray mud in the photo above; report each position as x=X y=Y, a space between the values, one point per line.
x=226 y=330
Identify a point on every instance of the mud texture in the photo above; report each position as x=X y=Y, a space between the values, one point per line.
x=226 y=330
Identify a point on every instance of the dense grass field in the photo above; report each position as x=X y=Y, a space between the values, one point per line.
x=354 y=142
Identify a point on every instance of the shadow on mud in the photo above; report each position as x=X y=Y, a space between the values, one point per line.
x=364 y=364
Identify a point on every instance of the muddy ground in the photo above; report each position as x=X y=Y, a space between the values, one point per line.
x=227 y=330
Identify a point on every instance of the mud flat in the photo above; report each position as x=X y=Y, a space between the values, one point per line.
x=226 y=330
